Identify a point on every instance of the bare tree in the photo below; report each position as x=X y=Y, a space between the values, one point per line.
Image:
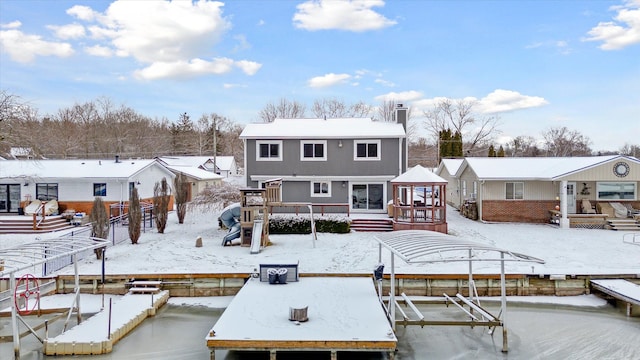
x=161 y=198
x=561 y=141
x=284 y=109
x=99 y=222
x=134 y=216
x=181 y=192
x=459 y=115
x=630 y=150
x=334 y=108
x=386 y=112
x=523 y=146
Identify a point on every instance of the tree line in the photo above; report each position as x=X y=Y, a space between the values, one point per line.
x=101 y=129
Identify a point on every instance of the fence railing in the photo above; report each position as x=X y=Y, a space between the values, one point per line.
x=118 y=233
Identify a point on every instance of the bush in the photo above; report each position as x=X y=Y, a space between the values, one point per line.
x=301 y=224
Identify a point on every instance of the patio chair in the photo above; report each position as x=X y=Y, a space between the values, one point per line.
x=587 y=208
x=631 y=210
x=51 y=207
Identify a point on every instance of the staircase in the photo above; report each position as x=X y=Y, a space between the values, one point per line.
x=623 y=224
x=371 y=224
x=24 y=225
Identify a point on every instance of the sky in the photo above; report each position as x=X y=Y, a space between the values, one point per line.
x=535 y=65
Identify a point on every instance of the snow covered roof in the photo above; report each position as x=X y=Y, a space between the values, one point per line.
x=451 y=165
x=419 y=175
x=194 y=161
x=194 y=172
x=339 y=128
x=223 y=162
x=73 y=168
x=533 y=168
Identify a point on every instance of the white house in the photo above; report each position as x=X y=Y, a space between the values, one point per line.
x=76 y=183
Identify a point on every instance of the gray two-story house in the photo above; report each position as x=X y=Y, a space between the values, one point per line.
x=328 y=161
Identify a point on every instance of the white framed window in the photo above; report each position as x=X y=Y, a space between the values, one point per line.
x=321 y=188
x=514 y=191
x=464 y=189
x=313 y=150
x=366 y=150
x=269 y=150
x=615 y=190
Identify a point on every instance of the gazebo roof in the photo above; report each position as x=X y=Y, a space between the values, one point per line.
x=419 y=175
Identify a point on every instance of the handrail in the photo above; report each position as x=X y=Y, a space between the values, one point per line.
x=36 y=224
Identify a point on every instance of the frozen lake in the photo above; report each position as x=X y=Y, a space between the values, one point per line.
x=535 y=332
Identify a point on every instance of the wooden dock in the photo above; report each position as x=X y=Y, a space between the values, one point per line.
x=622 y=291
x=344 y=314
x=92 y=336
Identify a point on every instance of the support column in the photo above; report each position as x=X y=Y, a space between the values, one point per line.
x=564 y=220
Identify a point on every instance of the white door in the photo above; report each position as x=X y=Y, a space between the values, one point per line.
x=571 y=198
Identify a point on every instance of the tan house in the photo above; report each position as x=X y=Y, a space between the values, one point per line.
x=447 y=170
x=525 y=189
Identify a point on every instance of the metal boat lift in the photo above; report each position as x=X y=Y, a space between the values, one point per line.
x=24 y=294
x=420 y=247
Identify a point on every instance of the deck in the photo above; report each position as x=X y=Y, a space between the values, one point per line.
x=344 y=315
x=623 y=291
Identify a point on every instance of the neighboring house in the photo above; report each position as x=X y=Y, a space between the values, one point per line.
x=346 y=160
x=447 y=170
x=198 y=178
x=525 y=189
x=76 y=183
x=21 y=153
x=224 y=165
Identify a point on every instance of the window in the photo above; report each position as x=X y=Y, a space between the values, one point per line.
x=616 y=190
x=313 y=151
x=269 y=150
x=464 y=189
x=100 y=189
x=514 y=191
x=367 y=150
x=320 y=189
x=46 y=192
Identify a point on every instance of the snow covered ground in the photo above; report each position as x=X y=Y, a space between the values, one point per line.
x=566 y=251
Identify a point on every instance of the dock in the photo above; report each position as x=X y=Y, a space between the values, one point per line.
x=96 y=336
x=344 y=314
x=622 y=291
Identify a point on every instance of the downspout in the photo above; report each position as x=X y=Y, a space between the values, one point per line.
x=479 y=199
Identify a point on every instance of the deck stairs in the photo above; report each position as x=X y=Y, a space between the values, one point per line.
x=24 y=225
x=371 y=224
x=623 y=224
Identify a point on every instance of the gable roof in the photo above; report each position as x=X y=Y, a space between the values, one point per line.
x=222 y=162
x=419 y=175
x=195 y=161
x=74 y=169
x=533 y=168
x=195 y=173
x=451 y=165
x=338 y=128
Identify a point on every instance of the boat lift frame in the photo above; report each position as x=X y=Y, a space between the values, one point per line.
x=422 y=247
x=19 y=259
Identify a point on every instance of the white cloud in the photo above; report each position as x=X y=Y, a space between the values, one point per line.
x=507 y=100
x=83 y=13
x=248 y=67
x=620 y=33
x=231 y=86
x=185 y=69
x=350 y=15
x=70 y=31
x=24 y=48
x=410 y=95
x=98 y=50
x=384 y=82
x=330 y=79
x=12 y=25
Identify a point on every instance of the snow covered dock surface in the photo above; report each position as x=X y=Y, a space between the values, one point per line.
x=621 y=289
x=92 y=335
x=344 y=314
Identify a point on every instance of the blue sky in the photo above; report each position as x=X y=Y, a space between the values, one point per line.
x=535 y=64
